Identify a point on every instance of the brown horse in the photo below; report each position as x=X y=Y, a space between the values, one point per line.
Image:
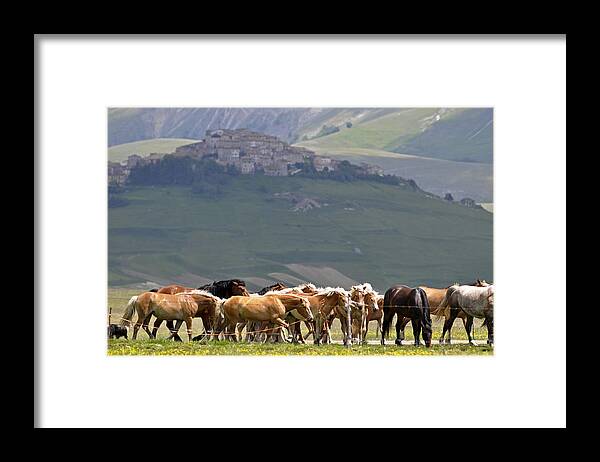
x=374 y=315
x=182 y=308
x=173 y=289
x=405 y=301
x=266 y=308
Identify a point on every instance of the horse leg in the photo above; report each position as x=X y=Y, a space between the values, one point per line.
x=399 y=330
x=157 y=324
x=448 y=324
x=174 y=329
x=145 y=325
x=416 y=326
x=188 y=324
x=364 y=340
x=177 y=338
x=343 y=323
x=469 y=329
x=490 y=329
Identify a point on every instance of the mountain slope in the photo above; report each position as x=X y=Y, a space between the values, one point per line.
x=465 y=136
x=363 y=231
x=120 y=152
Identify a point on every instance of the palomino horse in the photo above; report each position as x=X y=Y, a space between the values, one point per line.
x=357 y=316
x=327 y=303
x=331 y=303
x=408 y=302
x=476 y=302
x=263 y=330
x=266 y=308
x=209 y=310
x=435 y=297
x=182 y=308
x=366 y=299
x=373 y=314
x=295 y=334
x=172 y=290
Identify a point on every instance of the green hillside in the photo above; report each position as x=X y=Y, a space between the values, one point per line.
x=462 y=136
x=363 y=232
x=376 y=130
x=120 y=152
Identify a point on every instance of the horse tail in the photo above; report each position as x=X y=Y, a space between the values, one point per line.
x=387 y=320
x=425 y=308
x=129 y=309
x=443 y=309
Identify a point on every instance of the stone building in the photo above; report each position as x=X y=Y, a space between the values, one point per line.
x=117 y=173
x=134 y=160
x=276 y=168
x=320 y=163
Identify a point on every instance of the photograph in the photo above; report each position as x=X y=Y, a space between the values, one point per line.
x=300 y=231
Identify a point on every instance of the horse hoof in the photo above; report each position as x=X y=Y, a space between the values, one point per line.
x=472 y=344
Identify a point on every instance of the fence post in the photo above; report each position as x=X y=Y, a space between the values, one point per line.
x=109 y=314
x=349 y=329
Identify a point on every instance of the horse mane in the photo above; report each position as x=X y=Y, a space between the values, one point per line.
x=365 y=288
x=270 y=288
x=332 y=290
x=201 y=292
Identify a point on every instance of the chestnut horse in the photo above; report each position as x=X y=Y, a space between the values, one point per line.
x=182 y=308
x=408 y=302
x=295 y=333
x=221 y=289
x=266 y=308
x=374 y=315
x=209 y=310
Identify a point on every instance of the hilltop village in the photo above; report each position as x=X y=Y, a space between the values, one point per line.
x=249 y=152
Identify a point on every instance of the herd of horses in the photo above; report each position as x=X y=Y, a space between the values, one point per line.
x=275 y=313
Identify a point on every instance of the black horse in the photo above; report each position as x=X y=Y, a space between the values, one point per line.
x=407 y=302
x=226 y=288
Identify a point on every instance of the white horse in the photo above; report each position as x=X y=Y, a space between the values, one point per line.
x=476 y=302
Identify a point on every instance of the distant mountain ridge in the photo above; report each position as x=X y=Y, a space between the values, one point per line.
x=133 y=124
x=446 y=150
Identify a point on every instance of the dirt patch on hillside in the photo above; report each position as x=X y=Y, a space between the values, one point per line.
x=322 y=276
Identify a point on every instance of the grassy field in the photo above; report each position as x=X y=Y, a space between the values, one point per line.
x=164 y=347
x=120 y=152
x=363 y=232
x=452 y=134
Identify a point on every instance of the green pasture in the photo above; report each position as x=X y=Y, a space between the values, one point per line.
x=164 y=347
x=364 y=231
x=117 y=299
